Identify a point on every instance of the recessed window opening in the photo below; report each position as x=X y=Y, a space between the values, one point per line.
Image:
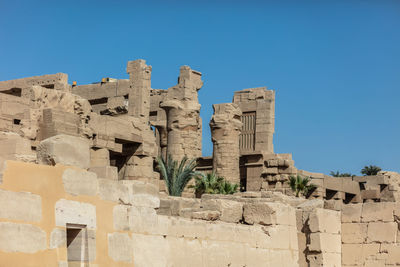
x=77 y=245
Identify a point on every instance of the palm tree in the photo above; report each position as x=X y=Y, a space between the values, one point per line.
x=370 y=170
x=339 y=174
x=227 y=188
x=210 y=183
x=176 y=176
x=301 y=185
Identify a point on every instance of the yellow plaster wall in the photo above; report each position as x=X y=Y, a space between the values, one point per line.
x=46 y=181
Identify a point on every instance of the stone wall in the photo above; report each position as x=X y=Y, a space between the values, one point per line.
x=122 y=227
x=319 y=235
x=370 y=234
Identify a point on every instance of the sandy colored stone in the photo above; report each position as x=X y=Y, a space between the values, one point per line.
x=325 y=242
x=380 y=211
x=382 y=232
x=79 y=182
x=120 y=247
x=69 y=211
x=353 y=254
x=23 y=238
x=225 y=127
x=66 y=150
x=108 y=172
x=355 y=233
x=325 y=221
x=351 y=213
x=268 y=213
x=142 y=194
x=58 y=238
x=121 y=217
x=231 y=211
x=21 y=206
x=113 y=191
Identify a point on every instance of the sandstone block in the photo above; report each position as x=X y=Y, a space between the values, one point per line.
x=311 y=205
x=58 y=238
x=207 y=215
x=382 y=232
x=107 y=172
x=78 y=182
x=121 y=217
x=325 y=242
x=325 y=221
x=325 y=259
x=393 y=253
x=64 y=149
x=355 y=254
x=20 y=206
x=355 y=233
x=351 y=212
x=99 y=157
x=23 y=238
x=142 y=194
x=68 y=211
x=113 y=191
x=120 y=247
x=231 y=211
x=377 y=211
x=269 y=213
x=142 y=219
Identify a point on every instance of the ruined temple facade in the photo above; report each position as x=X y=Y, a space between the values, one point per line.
x=78 y=185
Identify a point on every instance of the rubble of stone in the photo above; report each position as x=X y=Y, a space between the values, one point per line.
x=83 y=155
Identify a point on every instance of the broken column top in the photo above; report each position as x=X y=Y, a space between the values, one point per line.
x=137 y=65
x=226 y=113
x=189 y=77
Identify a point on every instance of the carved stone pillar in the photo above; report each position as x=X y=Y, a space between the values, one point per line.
x=183 y=115
x=139 y=88
x=225 y=127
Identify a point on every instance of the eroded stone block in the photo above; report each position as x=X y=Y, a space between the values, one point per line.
x=382 y=232
x=120 y=247
x=351 y=213
x=74 y=212
x=78 y=182
x=20 y=206
x=25 y=238
x=64 y=149
x=379 y=211
x=325 y=221
x=355 y=233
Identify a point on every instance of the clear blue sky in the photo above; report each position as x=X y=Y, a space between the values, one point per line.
x=335 y=65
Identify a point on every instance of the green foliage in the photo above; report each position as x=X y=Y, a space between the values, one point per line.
x=338 y=174
x=301 y=185
x=370 y=170
x=176 y=176
x=210 y=183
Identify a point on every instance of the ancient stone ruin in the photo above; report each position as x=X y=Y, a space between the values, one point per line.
x=79 y=187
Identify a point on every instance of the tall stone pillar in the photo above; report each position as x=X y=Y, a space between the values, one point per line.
x=140 y=165
x=225 y=127
x=139 y=88
x=183 y=115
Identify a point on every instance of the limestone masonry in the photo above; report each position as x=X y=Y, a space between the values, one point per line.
x=78 y=185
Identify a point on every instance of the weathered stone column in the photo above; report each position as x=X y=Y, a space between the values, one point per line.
x=140 y=165
x=225 y=127
x=139 y=88
x=183 y=115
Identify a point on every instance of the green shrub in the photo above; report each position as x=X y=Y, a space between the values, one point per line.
x=176 y=176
